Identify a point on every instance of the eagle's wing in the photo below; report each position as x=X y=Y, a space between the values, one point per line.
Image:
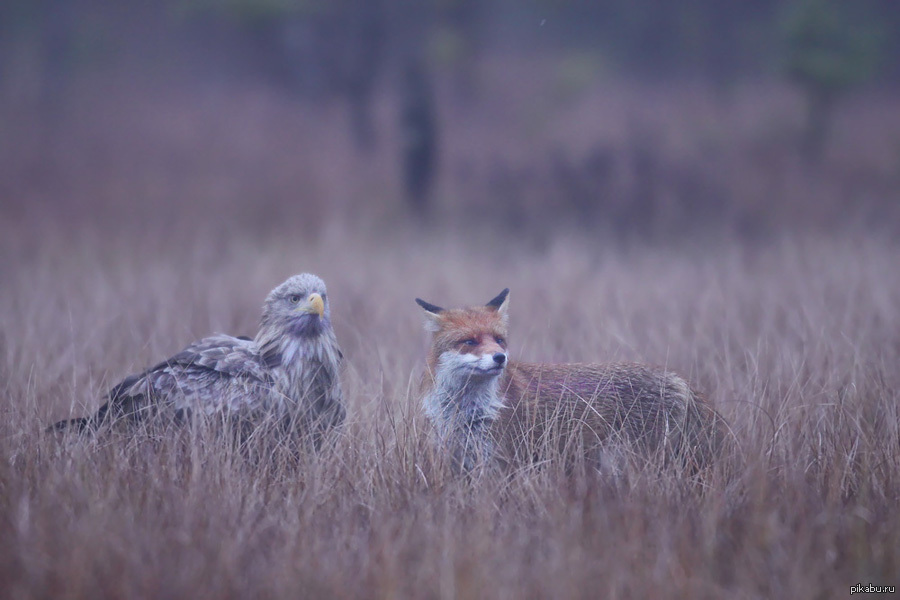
x=217 y=373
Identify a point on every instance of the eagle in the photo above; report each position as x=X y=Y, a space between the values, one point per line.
x=287 y=374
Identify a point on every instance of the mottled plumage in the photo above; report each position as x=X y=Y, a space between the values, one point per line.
x=288 y=372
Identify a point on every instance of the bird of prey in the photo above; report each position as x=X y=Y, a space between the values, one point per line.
x=288 y=372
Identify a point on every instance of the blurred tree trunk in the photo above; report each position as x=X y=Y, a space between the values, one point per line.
x=418 y=129
x=367 y=37
x=828 y=53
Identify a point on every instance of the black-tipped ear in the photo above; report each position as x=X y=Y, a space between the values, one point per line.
x=429 y=307
x=498 y=301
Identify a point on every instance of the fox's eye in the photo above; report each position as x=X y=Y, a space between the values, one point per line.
x=500 y=340
x=470 y=342
x=295 y=299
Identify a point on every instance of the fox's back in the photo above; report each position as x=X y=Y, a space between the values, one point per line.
x=580 y=405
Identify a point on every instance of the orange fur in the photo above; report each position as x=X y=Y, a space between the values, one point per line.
x=527 y=412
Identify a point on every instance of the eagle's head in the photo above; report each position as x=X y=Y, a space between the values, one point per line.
x=299 y=307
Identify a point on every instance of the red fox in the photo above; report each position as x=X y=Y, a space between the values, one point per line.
x=489 y=410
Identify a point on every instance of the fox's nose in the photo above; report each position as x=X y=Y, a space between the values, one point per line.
x=499 y=358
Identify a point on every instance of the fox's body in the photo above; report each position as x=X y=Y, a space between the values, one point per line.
x=487 y=409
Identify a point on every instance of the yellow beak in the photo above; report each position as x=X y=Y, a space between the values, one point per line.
x=315 y=304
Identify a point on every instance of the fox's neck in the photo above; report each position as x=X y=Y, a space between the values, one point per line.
x=462 y=409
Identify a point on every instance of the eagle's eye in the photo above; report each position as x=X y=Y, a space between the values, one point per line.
x=295 y=298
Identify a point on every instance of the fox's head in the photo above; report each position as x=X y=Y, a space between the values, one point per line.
x=469 y=343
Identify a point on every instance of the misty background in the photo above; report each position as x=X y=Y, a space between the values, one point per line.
x=707 y=186
x=651 y=118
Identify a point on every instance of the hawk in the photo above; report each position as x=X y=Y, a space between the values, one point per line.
x=288 y=372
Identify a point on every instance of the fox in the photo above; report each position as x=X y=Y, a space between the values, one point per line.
x=491 y=411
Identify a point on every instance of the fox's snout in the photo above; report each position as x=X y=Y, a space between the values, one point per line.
x=491 y=361
x=485 y=363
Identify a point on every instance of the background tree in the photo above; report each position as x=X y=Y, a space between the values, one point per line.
x=418 y=126
x=827 y=53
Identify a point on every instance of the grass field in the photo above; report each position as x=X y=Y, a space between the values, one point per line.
x=794 y=336
x=795 y=343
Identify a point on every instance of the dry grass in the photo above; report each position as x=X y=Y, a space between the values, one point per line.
x=144 y=222
x=795 y=342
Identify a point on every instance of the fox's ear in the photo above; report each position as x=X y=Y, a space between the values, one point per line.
x=429 y=307
x=501 y=303
x=432 y=315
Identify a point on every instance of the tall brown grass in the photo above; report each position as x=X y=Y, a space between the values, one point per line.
x=140 y=222
x=795 y=342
